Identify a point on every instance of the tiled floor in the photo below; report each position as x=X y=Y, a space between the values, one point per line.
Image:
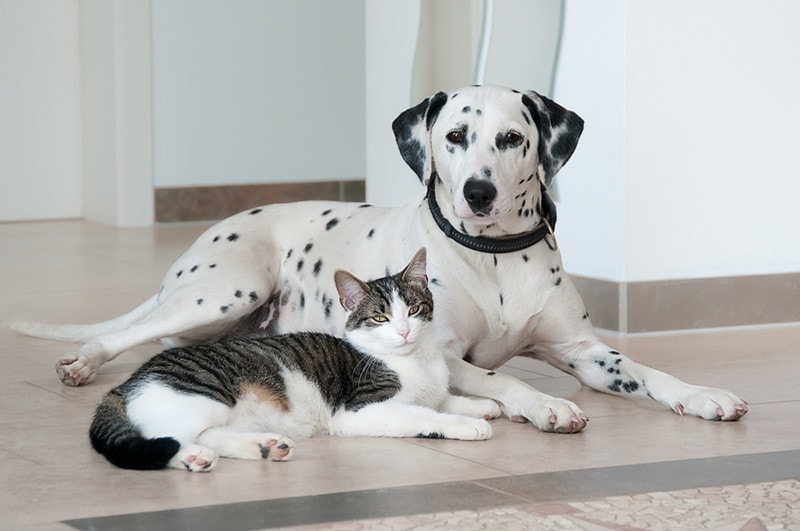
x=635 y=466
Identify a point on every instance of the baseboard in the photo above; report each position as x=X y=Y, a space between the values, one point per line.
x=207 y=203
x=655 y=306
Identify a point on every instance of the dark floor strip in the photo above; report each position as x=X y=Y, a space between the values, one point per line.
x=442 y=497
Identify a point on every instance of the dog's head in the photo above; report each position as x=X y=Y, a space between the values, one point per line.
x=493 y=148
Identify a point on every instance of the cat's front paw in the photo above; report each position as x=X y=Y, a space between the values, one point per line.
x=462 y=428
x=276 y=448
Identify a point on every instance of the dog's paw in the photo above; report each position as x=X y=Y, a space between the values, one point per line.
x=276 y=448
x=712 y=404
x=555 y=415
x=195 y=458
x=74 y=370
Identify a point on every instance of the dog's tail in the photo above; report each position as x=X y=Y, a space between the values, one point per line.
x=116 y=438
x=81 y=333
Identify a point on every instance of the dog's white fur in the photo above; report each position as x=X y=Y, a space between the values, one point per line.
x=273 y=267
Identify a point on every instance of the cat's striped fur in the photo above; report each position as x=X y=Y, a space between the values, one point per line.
x=245 y=397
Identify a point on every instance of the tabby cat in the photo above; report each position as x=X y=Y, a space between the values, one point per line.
x=245 y=397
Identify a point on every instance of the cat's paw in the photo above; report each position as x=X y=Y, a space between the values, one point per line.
x=463 y=429
x=276 y=448
x=195 y=458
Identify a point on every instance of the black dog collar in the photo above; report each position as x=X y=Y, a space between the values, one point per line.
x=491 y=245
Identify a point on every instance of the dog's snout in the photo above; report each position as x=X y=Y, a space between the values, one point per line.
x=479 y=195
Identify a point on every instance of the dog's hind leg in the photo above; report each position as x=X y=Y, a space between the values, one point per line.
x=178 y=319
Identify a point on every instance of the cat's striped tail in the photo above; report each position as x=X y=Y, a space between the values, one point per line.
x=114 y=436
x=82 y=333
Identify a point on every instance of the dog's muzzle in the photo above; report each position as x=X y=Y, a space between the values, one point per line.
x=480 y=196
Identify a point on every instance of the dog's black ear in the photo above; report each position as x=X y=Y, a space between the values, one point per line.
x=411 y=133
x=559 y=131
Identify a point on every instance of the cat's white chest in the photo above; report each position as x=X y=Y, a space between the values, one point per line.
x=423 y=379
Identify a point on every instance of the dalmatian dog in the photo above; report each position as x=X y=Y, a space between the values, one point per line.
x=486 y=156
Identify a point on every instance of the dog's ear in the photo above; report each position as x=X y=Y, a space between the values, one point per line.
x=559 y=131
x=411 y=131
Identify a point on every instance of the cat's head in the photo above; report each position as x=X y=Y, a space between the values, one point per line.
x=390 y=315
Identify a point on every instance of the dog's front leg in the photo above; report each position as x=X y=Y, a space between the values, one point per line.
x=518 y=400
x=602 y=368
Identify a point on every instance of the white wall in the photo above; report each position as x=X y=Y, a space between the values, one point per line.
x=250 y=91
x=40 y=141
x=689 y=161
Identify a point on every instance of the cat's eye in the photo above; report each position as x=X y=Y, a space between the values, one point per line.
x=414 y=310
x=379 y=319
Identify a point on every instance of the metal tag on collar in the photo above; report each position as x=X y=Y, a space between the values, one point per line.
x=550 y=237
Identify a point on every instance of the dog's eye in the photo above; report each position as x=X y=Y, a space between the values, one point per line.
x=456 y=137
x=512 y=137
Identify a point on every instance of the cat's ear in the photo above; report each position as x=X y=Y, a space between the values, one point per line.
x=351 y=290
x=415 y=271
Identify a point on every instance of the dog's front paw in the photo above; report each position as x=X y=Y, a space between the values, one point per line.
x=554 y=415
x=74 y=370
x=712 y=404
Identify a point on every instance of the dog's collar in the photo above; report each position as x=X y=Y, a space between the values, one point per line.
x=543 y=231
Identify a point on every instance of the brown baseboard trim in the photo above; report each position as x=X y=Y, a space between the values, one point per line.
x=656 y=306
x=208 y=203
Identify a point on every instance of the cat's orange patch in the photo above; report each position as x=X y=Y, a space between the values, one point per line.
x=264 y=396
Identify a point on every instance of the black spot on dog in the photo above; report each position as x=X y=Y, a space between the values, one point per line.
x=212 y=266
x=193 y=269
x=327 y=304
x=317 y=267
x=617 y=361
x=525 y=258
x=525 y=117
x=435 y=281
x=491 y=373
x=630 y=387
x=331 y=224
x=326 y=212
x=199 y=302
x=216 y=239
x=486 y=171
x=256 y=211
x=232 y=237
x=478 y=112
x=365 y=205
x=615 y=386
x=371 y=233
x=473 y=137
x=501 y=299
x=302 y=300
x=300 y=265
x=495 y=260
x=253 y=296
x=238 y=294
x=223 y=309
x=571 y=365
x=289 y=254
x=450 y=149
x=431 y=435
x=530 y=178
x=613 y=352
x=466 y=109
x=600 y=362
x=558 y=281
x=308 y=247
x=179 y=273
x=585 y=315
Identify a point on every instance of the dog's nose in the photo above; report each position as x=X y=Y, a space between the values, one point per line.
x=479 y=195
